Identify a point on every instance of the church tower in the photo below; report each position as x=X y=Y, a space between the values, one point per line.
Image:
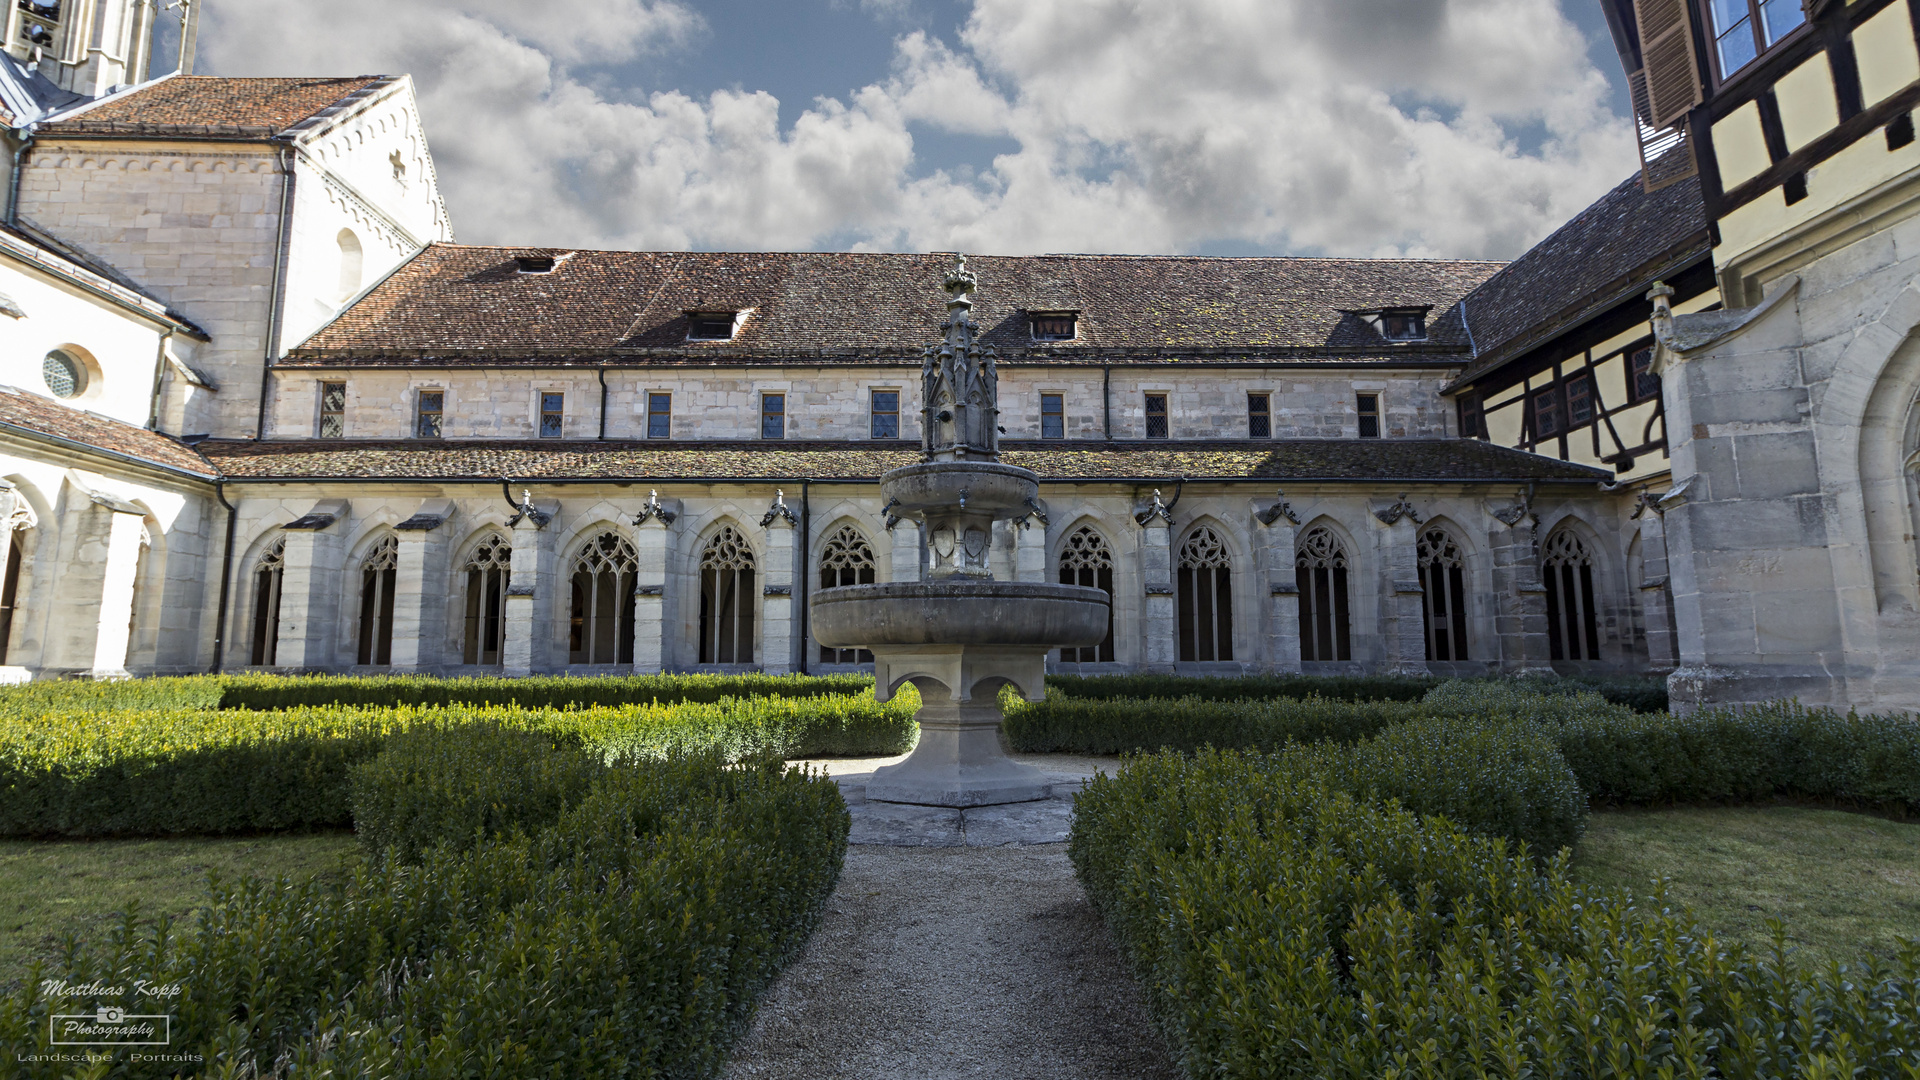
x=89 y=47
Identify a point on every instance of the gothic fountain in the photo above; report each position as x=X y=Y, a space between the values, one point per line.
x=957 y=634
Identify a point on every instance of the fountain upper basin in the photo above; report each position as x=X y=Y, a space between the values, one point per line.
x=1003 y=491
x=959 y=613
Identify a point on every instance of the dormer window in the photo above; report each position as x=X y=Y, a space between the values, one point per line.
x=1409 y=325
x=1054 y=325
x=711 y=325
x=535 y=264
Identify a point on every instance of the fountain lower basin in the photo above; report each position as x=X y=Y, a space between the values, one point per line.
x=958 y=642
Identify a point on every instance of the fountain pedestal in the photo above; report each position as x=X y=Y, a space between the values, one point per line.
x=959 y=760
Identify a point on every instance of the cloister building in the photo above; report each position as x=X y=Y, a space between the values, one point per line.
x=258 y=410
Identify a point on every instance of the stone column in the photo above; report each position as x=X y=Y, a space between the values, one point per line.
x=1156 y=574
x=1279 y=580
x=1030 y=550
x=419 y=589
x=311 y=586
x=125 y=535
x=1402 y=601
x=1521 y=599
x=1656 y=595
x=653 y=534
x=776 y=601
x=531 y=592
x=908 y=560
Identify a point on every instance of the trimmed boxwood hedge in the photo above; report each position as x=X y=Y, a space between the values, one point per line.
x=1642 y=693
x=615 y=920
x=1285 y=924
x=148 y=772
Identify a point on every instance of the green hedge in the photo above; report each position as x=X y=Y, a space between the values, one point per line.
x=627 y=936
x=157 y=772
x=1282 y=925
x=1063 y=724
x=528 y=692
x=1641 y=693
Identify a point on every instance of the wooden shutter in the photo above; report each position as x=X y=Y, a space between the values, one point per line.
x=1666 y=49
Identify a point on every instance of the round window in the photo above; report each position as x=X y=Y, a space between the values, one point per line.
x=65 y=375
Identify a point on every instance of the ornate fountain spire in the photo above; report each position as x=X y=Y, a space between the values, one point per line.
x=960 y=388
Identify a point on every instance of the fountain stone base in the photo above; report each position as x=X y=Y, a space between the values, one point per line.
x=1004 y=631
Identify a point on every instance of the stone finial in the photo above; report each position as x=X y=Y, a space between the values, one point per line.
x=1280 y=509
x=779 y=512
x=1155 y=509
x=653 y=509
x=960 y=406
x=1400 y=509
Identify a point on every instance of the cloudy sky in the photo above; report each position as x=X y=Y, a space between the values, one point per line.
x=1456 y=128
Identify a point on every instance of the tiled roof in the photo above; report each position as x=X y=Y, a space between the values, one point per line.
x=36 y=415
x=454 y=301
x=1389 y=460
x=1609 y=252
x=209 y=105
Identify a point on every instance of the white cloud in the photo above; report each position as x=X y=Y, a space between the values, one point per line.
x=1141 y=125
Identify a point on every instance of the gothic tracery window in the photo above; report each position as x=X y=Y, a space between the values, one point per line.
x=1320 y=572
x=1443 y=595
x=727 y=596
x=488 y=570
x=1086 y=560
x=846 y=560
x=1205 y=596
x=377 y=573
x=600 y=630
x=1572 y=626
x=267 y=574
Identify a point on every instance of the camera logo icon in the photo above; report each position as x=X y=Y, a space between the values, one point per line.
x=106 y=1015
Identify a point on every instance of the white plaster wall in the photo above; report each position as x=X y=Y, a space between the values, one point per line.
x=119 y=348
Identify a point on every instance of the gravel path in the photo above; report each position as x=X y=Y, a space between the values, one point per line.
x=942 y=963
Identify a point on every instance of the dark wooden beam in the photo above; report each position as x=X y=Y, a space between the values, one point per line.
x=1842 y=136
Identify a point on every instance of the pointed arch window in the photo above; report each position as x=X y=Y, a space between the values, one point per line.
x=601 y=629
x=1086 y=560
x=726 y=599
x=267 y=574
x=488 y=570
x=1320 y=572
x=1205 y=598
x=1572 y=626
x=21 y=521
x=377 y=575
x=846 y=560
x=1443 y=583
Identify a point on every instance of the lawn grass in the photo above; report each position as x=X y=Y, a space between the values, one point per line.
x=48 y=887
x=1844 y=885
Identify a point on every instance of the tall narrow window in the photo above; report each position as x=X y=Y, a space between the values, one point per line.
x=553 y=414
x=1086 y=560
x=1053 y=416
x=333 y=410
x=1259 y=416
x=1572 y=626
x=1205 y=588
x=727 y=599
x=488 y=570
x=9 y=597
x=601 y=628
x=351 y=259
x=1156 y=416
x=659 y=416
x=1320 y=573
x=1546 y=413
x=1473 y=417
x=428 y=408
x=884 y=414
x=773 y=416
x=1579 y=401
x=377 y=573
x=846 y=560
x=266 y=603
x=1646 y=384
x=1368 y=406
x=1443 y=581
